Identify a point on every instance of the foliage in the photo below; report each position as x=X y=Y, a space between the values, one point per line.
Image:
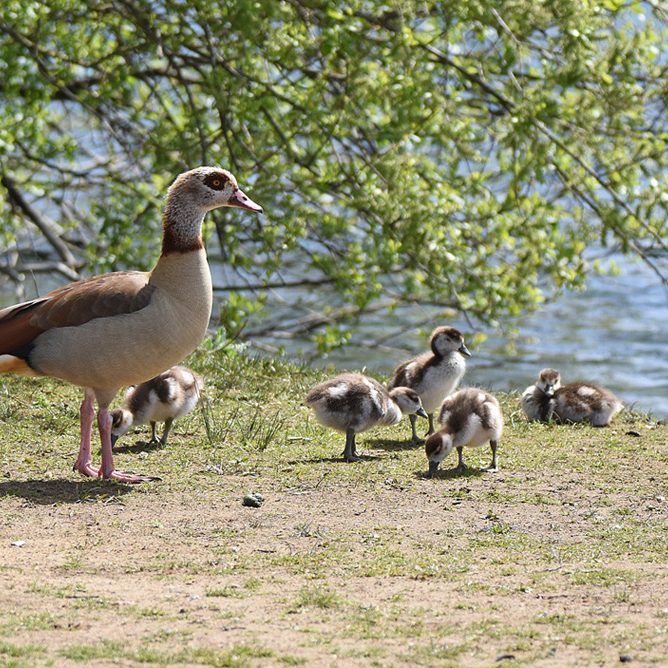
x=462 y=155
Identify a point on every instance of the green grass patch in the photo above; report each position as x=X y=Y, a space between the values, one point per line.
x=317 y=597
x=238 y=656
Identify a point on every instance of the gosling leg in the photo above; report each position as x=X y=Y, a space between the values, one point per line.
x=461 y=466
x=431 y=424
x=494 y=466
x=416 y=439
x=350 y=451
x=165 y=433
x=154 y=437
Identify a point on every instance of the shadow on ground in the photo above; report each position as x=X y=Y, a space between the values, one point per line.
x=450 y=474
x=392 y=445
x=47 y=492
x=139 y=446
x=334 y=460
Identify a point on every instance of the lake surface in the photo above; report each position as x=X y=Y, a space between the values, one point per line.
x=613 y=333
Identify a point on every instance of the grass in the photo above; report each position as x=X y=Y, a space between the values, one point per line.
x=317 y=597
x=559 y=557
x=237 y=657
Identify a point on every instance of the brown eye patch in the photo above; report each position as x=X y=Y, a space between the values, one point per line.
x=216 y=181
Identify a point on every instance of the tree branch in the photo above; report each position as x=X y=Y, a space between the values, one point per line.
x=31 y=214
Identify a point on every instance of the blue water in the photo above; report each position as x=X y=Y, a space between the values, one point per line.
x=613 y=333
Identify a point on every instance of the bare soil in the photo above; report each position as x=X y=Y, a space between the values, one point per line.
x=415 y=577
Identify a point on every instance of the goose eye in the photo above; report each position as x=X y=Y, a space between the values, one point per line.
x=215 y=181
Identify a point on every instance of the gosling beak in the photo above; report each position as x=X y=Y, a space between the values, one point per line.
x=114 y=438
x=464 y=350
x=433 y=468
x=421 y=412
x=240 y=200
x=549 y=391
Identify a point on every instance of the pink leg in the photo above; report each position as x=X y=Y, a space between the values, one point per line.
x=107 y=469
x=86 y=415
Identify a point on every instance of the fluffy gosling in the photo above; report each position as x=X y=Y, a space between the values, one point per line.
x=352 y=403
x=468 y=418
x=575 y=402
x=538 y=399
x=171 y=394
x=434 y=375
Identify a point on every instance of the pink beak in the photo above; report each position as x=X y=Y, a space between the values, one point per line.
x=242 y=201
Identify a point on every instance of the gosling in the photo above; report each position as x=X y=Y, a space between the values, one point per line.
x=470 y=417
x=538 y=399
x=434 y=375
x=352 y=403
x=171 y=394
x=575 y=402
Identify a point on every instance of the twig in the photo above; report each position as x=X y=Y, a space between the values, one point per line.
x=56 y=242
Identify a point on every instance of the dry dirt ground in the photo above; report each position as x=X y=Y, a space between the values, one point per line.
x=557 y=560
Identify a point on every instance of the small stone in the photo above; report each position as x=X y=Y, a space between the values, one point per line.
x=660 y=499
x=625 y=658
x=505 y=657
x=632 y=432
x=18 y=543
x=253 y=500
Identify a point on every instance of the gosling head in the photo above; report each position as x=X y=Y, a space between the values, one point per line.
x=121 y=421
x=438 y=446
x=209 y=188
x=446 y=340
x=549 y=381
x=408 y=401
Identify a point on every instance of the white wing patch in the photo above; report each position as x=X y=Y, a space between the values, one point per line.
x=338 y=390
x=373 y=394
x=173 y=389
x=445 y=416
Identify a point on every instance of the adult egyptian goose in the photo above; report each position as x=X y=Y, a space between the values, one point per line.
x=170 y=395
x=119 y=329
x=434 y=375
x=575 y=402
x=470 y=417
x=353 y=403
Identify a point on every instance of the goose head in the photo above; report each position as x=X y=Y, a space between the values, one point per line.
x=438 y=446
x=121 y=421
x=208 y=188
x=408 y=401
x=549 y=381
x=445 y=340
